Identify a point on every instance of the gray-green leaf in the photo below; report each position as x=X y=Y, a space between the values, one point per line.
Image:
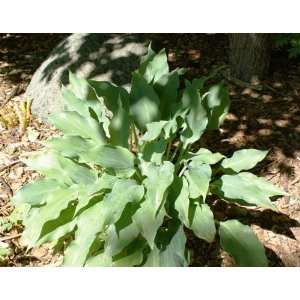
x=72 y=123
x=115 y=158
x=202 y=222
x=248 y=188
x=217 y=104
x=241 y=242
x=198 y=177
x=244 y=159
x=144 y=102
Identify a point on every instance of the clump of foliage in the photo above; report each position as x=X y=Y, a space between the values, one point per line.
x=122 y=183
x=291 y=41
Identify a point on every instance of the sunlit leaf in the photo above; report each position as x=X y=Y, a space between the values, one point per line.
x=244 y=159
x=240 y=241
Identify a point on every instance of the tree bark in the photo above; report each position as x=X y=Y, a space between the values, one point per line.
x=249 y=55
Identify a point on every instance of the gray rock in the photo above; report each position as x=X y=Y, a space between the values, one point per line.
x=109 y=57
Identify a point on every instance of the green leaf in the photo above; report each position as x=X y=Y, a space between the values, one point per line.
x=243 y=159
x=117 y=241
x=89 y=108
x=246 y=188
x=198 y=177
x=202 y=222
x=166 y=88
x=148 y=220
x=172 y=252
x=153 y=131
x=158 y=179
x=205 y=156
x=94 y=219
x=81 y=87
x=154 y=151
x=38 y=217
x=182 y=202
x=154 y=66
x=62 y=169
x=100 y=186
x=116 y=100
x=115 y=158
x=240 y=242
x=196 y=119
x=70 y=146
x=72 y=123
x=144 y=102
x=217 y=104
x=37 y=193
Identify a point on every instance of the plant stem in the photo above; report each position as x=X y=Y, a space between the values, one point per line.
x=135 y=137
x=175 y=152
x=168 y=149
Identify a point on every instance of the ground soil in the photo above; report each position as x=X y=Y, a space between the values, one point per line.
x=264 y=119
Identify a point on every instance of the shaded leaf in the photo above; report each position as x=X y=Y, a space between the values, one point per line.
x=217 y=104
x=172 y=254
x=196 y=119
x=144 y=102
x=116 y=158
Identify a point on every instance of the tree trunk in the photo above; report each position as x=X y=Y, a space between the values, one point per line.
x=249 y=56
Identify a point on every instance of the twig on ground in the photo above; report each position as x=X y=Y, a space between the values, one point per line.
x=11 y=237
x=12 y=94
x=9 y=165
x=6 y=186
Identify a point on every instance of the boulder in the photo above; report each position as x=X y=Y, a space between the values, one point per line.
x=109 y=57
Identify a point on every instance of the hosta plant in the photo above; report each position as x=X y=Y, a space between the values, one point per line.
x=122 y=186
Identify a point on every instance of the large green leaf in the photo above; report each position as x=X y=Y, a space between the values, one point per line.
x=116 y=100
x=166 y=88
x=153 y=131
x=115 y=158
x=205 y=156
x=243 y=159
x=38 y=217
x=72 y=123
x=217 y=104
x=70 y=146
x=100 y=186
x=144 y=102
x=154 y=151
x=196 y=119
x=198 y=177
x=246 y=188
x=117 y=241
x=240 y=242
x=83 y=107
x=154 y=66
x=38 y=192
x=81 y=87
x=182 y=202
x=104 y=213
x=171 y=252
x=148 y=220
x=62 y=169
x=158 y=179
x=202 y=222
